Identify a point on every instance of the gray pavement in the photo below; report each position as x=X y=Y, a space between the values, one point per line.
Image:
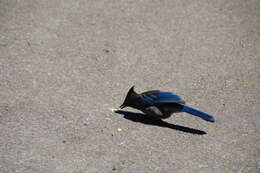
x=64 y=64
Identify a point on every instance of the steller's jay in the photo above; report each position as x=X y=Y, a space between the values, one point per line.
x=160 y=105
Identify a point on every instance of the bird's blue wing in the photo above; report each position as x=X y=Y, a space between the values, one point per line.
x=157 y=97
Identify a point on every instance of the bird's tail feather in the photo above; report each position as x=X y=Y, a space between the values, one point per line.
x=198 y=113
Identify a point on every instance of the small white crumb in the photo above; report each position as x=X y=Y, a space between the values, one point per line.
x=114 y=109
x=119 y=129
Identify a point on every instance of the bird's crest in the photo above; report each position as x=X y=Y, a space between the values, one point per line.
x=130 y=95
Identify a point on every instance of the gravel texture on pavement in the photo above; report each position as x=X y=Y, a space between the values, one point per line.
x=64 y=64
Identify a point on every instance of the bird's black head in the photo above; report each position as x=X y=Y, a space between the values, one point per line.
x=130 y=98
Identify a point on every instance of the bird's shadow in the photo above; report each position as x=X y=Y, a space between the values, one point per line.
x=138 y=117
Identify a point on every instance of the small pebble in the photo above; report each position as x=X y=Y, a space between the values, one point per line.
x=107 y=51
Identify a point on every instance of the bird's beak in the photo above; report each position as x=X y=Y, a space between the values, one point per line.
x=122 y=106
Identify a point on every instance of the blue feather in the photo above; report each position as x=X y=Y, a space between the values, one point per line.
x=198 y=113
x=163 y=97
x=167 y=97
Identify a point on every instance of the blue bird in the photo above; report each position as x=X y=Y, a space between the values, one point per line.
x=160 y=105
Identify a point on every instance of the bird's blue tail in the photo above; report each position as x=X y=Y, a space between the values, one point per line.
x=198 y=113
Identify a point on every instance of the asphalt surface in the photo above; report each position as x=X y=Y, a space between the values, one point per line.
x=64 y=64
